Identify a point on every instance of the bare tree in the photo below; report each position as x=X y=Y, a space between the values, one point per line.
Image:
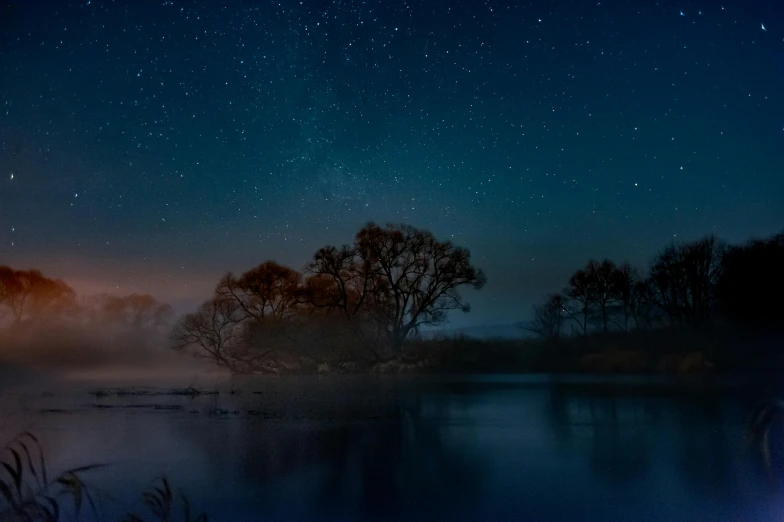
x=341 y=281
x=582 y=298
x=547 y=318
x=418 y=277
x=635 y=296
x=684 y=278
x=215 y=331
x=604 y=278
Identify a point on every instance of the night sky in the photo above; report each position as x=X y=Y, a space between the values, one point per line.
x=153 y=145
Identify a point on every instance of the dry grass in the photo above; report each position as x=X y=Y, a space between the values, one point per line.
x=161 y=501
x=28 y=493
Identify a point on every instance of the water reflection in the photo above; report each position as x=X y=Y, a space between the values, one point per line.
x=385 y=449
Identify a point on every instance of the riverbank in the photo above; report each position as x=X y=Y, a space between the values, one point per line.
x=640 y=352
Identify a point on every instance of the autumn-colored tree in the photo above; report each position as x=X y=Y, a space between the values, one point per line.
x=29 y=295
x=246 y=325
x=8 y=285
x=345 y=286
x=386 y=286
x=341 y=281
x=269 y=291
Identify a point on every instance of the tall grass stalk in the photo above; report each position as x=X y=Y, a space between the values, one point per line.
x=28 y=493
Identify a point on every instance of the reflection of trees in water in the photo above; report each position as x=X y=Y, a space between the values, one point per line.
x=401 y=465
x=378 y=456
x=704 y=441
x=629 y=435
x=619 y=452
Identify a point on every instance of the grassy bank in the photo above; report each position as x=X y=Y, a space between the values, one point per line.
x=718 y=350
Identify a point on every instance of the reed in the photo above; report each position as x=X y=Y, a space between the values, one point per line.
x=28 y=493
x=161 y=501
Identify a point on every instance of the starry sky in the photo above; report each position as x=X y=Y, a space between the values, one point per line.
x=150 y=145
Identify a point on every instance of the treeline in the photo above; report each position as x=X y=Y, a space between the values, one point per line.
x=695 y=285
x=29 y=300
x=354 y=305
x=361 y=305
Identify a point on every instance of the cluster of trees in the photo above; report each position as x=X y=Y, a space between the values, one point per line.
x=28 y=299
x=361 y=301
x=695 y=284
x=27 y=295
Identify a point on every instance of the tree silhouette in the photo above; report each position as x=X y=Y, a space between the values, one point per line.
x=267 y=292
x=547 y=318
x=216 y=330
x=582 y=298
x=683 y=279
x=418 y=277
x=341 y=281
x=605 y=280
x=635 y=296
x=751 y=283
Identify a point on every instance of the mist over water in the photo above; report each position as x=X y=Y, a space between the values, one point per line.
x=37 y=354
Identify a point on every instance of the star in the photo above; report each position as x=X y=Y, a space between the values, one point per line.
x=271 y=118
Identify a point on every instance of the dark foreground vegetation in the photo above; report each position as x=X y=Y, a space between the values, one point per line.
x=29 y=493
x=362 y=307
x=699 y=306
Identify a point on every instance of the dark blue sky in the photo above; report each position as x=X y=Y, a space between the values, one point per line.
x=152 y=145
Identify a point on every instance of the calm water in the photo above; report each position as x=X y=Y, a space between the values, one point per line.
x=362 y=448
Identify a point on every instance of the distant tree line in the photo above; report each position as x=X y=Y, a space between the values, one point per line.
x=29 y=299
x=357 y=303
x=688 y=285
x=363 y=303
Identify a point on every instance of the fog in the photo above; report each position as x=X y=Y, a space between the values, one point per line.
x=96 y=352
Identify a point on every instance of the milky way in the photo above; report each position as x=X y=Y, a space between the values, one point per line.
x=154 y=145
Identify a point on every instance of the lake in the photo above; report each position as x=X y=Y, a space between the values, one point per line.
x=426 y=448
